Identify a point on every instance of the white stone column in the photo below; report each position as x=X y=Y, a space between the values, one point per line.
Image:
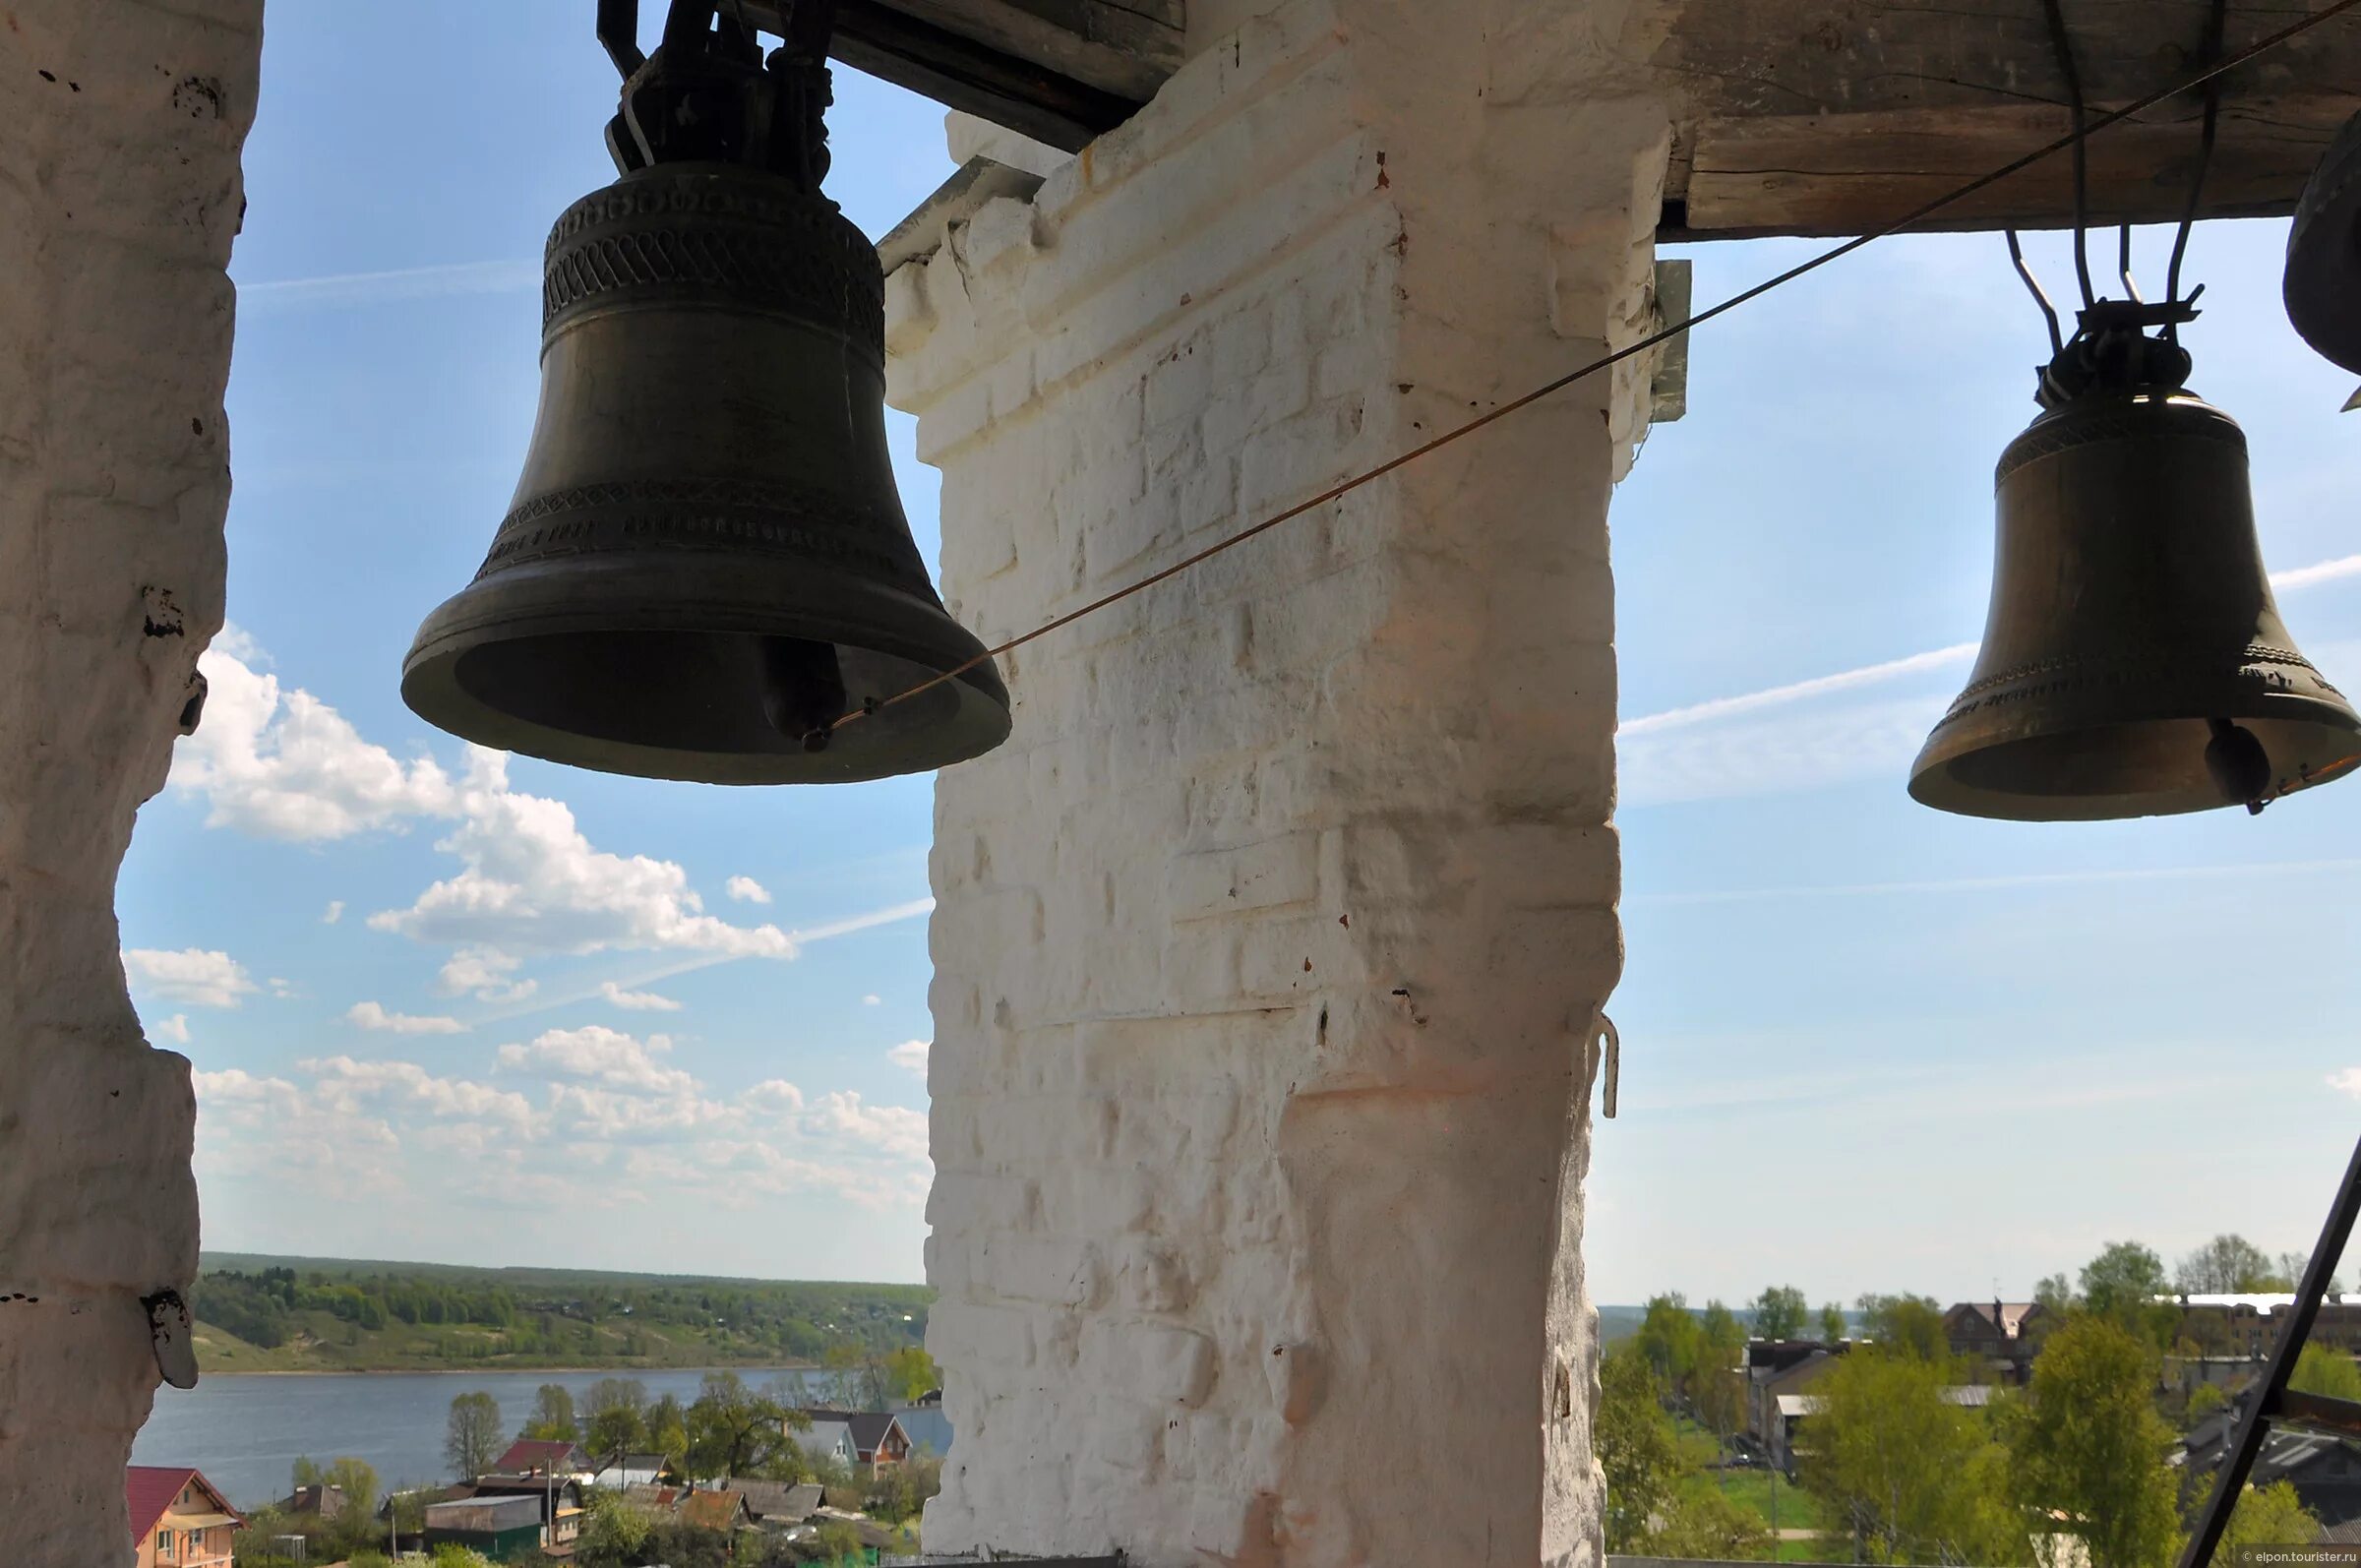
x=120 y=125
x=1267 y=949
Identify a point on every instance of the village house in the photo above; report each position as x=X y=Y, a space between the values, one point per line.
x=2324 y=1470
x=561 y=1500
x=178 y=1517
x=504 y=1528
x=871 y=1437
x=775 y=1505
x=534 y=1456
x=1777 y=1369
x=1999 y=1337
x=633 y=1469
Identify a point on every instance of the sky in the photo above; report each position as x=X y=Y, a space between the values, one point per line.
x=452 y=1006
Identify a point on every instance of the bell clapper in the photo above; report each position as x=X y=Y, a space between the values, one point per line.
x=2240 y=767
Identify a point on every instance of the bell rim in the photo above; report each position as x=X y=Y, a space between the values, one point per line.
x=1933 y=783
x=492 y=610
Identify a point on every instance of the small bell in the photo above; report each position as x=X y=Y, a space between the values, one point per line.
x=2134 y=663
x=705 y=563
x=2323 y=283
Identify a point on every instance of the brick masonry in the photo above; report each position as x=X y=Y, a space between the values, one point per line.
x=120 y=127
x=1266 y=951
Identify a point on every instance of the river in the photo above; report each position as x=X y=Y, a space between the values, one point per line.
x=246 y=1432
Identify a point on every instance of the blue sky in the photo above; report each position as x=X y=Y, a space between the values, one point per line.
x=445 y=1006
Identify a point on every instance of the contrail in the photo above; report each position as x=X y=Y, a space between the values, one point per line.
x=409 y=282
x=591 y=990
x=1723 y=707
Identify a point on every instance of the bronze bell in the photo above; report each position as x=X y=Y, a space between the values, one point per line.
x=2323 y=283
x=706 y=565
x=2134 y=663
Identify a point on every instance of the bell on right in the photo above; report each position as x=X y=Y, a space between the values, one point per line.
x=2134 y=663
x=2323 y=283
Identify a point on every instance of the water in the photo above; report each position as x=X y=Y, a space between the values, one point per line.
x=247 y=1432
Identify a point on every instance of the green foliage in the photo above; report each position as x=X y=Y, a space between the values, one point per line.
x=1780 y=1312
x=613 y=1530
x=901 y=1490
x=320 y=1313
x=733 y=1430
x=2207 y=1399
x=1832 y=1324
x=357 y=1480
x=1704 y=1523
x=1907 y=1474
x=551 y=1420
x=1912 y=1325
x=2321 y=1370
x=668 y=1431
x=2268 y=1516
x=618 y=1419
x=911 y=1372
x=1638 y=1448
x=2090 y=1447
x=2055 y=1292
x=1671 y=1339
x=471 y=1438
x=2122 y=1284
x=448 y=1555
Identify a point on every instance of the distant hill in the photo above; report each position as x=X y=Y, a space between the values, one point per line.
x=259 y=1312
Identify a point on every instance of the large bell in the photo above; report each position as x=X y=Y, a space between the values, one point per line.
x=706 y=565
x=2134 y=663
x=2323 y=283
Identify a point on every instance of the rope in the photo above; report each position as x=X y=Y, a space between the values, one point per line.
x=2072 y=138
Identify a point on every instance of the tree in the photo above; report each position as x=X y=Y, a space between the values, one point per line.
x=618 y=1423
x=1638 y=1449
x=552 y=1416
x=1832 y=1324
x=911 y=1372
x=1900 y=1472
x=2203 y=1402
x=2226 y=1265
x=613 y=1530
x=471 y=1440
x=2269 y=1516
x=1912 y=1325
x=304 y=1472
x=1671 y=1339
x=734 y=1431
x=1779 y=1313
x=668 y=1431
x=2321 y=1370
x=2090 y=1448
x=2124 y=1282
x=1718 y=1385
x=2055 y=1292
x=357 y=1480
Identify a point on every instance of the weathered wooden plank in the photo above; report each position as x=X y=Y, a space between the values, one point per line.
x=1853 y=173
x=1796 y=57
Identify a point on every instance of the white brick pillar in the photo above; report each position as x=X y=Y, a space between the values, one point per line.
x=120 y=125
x=1266 y=948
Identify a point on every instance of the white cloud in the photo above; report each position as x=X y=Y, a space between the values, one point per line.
x=282 y=988
x=532 y=881
x=483 y=973
x=370 y=1016
x=601 y=1056
x=343 y=1081
x=287 y=765
x=199 y=978
x=1765 y=756
x=174 y=1028
x=637 y=1001
x=746 y=891
x=774 y=1096
x=239 y=643
x=890 y=1129
x=336 y=912
x=2349 y=1080
x=911 y=1055
x=872 y=999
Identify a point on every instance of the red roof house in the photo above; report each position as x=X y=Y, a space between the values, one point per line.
x=534 y=1456
x=178 y=1517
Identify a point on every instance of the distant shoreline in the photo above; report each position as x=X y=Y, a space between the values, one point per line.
x=493 y=1372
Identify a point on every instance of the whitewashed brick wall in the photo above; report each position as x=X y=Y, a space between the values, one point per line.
x=120 y=125
x=1266 y=949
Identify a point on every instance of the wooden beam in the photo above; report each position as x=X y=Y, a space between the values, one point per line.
x=1060 y=71
x=1837 y=116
